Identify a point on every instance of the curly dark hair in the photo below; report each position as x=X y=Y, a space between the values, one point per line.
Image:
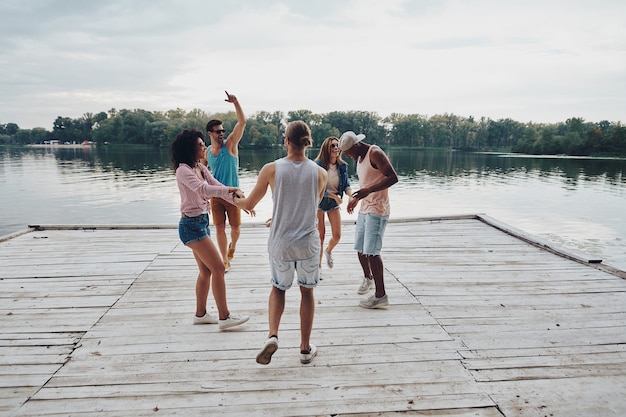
x=183 y=148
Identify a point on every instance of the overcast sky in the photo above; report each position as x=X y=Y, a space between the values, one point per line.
x=539 y=61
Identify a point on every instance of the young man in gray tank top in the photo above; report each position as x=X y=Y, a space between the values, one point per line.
x=298 y=185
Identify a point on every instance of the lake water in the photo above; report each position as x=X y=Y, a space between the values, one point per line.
x=578 y=203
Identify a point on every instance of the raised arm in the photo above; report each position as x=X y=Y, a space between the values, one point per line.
x=232 y=142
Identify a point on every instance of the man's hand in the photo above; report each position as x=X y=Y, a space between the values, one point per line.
x=238 y=199
x=361 y=194
x=230 y=97
x=352 y=203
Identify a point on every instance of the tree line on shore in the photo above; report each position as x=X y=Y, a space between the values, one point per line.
x=575 y=136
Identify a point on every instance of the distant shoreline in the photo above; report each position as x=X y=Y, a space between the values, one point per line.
x=61 y=145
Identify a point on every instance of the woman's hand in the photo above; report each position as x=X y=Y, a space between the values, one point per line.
x=335 y=197
x=238 y=196
x=236 y=192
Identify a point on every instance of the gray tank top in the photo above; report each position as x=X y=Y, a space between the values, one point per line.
x=293 y=232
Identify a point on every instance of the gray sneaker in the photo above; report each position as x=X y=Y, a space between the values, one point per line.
x=373 y=302
x=232 y=321
x=366 y=285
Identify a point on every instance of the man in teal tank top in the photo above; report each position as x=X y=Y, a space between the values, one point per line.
x=223 y=161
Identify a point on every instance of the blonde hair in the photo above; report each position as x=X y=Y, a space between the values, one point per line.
x=299 y=134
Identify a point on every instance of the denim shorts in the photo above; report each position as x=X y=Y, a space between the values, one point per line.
x=193 y=229
x=327 y=204
x=370 y=229
x=308 y=271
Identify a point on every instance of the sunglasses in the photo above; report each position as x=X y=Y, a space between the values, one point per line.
x=334 y=145
x=219 y=131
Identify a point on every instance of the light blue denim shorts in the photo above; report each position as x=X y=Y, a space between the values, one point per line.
x=282 y=272
x=327 y=204
x=370 y=229
x=193 y=229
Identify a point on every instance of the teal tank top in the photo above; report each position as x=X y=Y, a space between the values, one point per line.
x=224 y=167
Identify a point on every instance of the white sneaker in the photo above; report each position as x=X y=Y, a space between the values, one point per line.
x=306 y=356
x=366 y=285
x=265 y=355
x=206 y=319
x=329 y=259
x=373 y=302
x=233 y=320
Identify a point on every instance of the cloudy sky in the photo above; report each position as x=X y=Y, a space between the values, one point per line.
x=532 y=60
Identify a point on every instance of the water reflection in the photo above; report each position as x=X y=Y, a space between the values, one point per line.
x=408 y=163
x=452 y=163
x=576 y=202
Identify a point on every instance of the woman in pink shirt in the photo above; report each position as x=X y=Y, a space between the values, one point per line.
x=197 y=186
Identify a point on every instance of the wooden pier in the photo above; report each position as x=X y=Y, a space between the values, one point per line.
x=483 y=321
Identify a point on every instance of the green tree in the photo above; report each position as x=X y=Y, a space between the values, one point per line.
x=322 y=131
x=307 y=116
x=22 y=137
x=39 y=135
x=547 y=143
x=526 y=144
x=160 y=133
x=406 y=130
x=263 y=129
x=575 y=135
x=504 y=133
x=65 y=129
x=440 y=131
x=11 y=129
x=109 y=130
x=368 y=123
x=8 y=132
x=196 y=119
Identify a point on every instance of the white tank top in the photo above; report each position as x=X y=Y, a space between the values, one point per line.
x=377 y=202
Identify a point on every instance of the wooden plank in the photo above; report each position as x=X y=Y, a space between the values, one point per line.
x=475 y=315
x=298 y=403
x=581 y=396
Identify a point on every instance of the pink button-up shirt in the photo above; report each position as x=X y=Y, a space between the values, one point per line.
x=195 y=193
